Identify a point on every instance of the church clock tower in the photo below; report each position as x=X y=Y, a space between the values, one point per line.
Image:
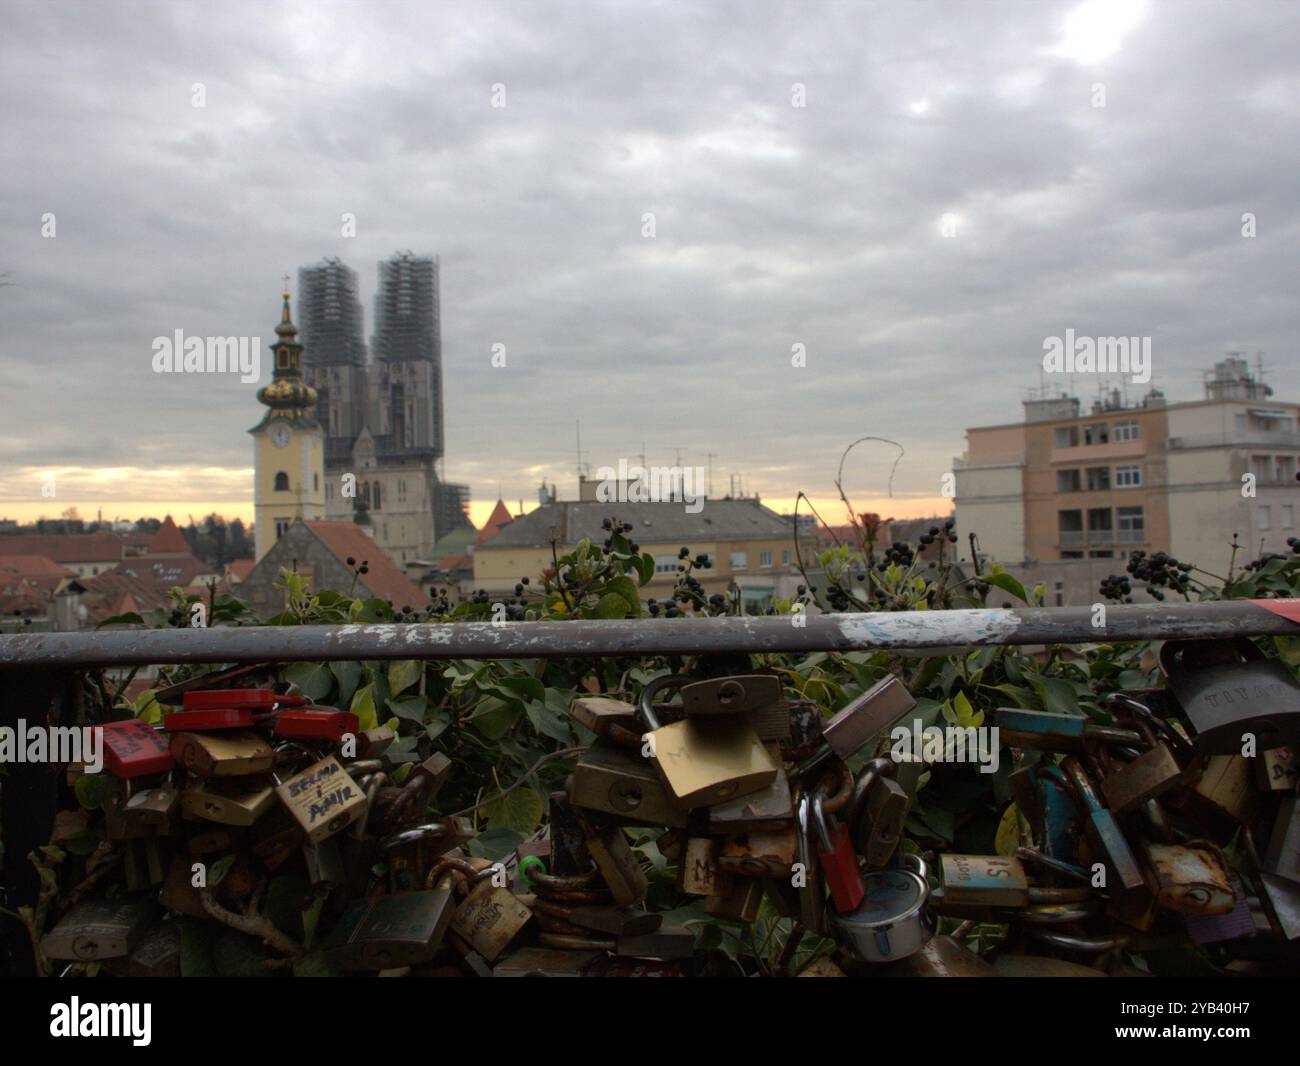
x=288 y=447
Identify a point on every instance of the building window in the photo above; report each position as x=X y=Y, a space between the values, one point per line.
x=787 y=556
x=1128 y=477
x=281 y=527
x=374 y=490
x=1066 y=436
x=1097 y=433
x=739 y=560
x=281 y=482
x=765 y=558
x=1126 y=431
x=1287 y=516
x=1132 y=525
x=315 y=483
x=1067 y=481
x=665 y=564
x=1069 y=525
x=1283 y=468
x=1099 y=526
x=1098 y=479
x=1265 y=517
x=1058 y=587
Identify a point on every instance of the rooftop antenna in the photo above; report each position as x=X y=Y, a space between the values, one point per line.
x=710 y=483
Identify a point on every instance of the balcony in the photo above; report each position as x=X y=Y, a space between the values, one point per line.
x=1070 y=538
x=1132 y=536
x=1100 y=536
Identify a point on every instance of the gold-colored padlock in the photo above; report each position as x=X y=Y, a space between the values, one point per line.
x=323 y=798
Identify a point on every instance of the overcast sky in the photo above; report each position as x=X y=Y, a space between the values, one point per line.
x=775 y=225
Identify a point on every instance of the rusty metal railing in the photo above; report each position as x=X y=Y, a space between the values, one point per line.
x=526 y=640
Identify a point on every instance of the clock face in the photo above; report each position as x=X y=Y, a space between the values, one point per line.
x=279 y=436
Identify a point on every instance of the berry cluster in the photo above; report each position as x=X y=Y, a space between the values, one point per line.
x=899 y=553
x=614 y=527
x=1160 y=571
x=948 y=532
x=364 y=568
x=1117 y=587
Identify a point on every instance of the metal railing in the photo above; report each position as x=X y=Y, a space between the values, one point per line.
x=683 y=636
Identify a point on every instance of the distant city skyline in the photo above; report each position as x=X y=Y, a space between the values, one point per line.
x=756 y=231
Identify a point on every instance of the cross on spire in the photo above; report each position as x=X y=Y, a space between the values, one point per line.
x=286 y=285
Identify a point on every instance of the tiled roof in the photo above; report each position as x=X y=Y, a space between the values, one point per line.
x=656 y=523
x=64 y=547
x=499 y=518
x=165 y=570
x=117 y=593
x=33 y=566
x=240 y=568
x=168 y=539
x=383 y=577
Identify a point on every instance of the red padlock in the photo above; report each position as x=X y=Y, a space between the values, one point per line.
x=323 y=722
x=229 y=699
x=204 y=721
x=839 y=862
x=134 y=748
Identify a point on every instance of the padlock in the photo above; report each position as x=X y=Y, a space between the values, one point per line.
x=179 y=893
x=568 y=844
x=741 y=904
x=877 y=812
x=984 y=881
x=221 y=699
x=413 y=851
x=1151 y=774
x=769 y=810
x=893 y=920
x=1282 y=857
x=154 y=807
x=619 y=868
x=704 y=760
x=324 y=864
x=133 y=748
x=835 y=853
x=403 y=929
x=215 y=720
x=1057 y=732
x=314 y=723
x=372 y=743
x=100 y=929
x=1277 y=770
x=1128 y=894
x=943 y=956
x=545 y=962
x=158 y=954
x=807 y=877
x=490 y=916
x=822 y=966
x=741 y=694
x=600 y=714
x=433 y=772
x=761 y=853
x=1190 y=878
x=620 y=922
x=858 y=722
x=1235 y=924
x=1221 y=794
x=222 y=754
x=698 y=872
x=323 y=798
x=116 y=794
x=1229 y=691
x=610 y=779
x=238 y=805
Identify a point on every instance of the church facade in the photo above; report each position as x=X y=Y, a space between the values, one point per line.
x=380 y=407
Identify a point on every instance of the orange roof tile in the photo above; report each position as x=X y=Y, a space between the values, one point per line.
x=499 y=517
x=64 y=547
x=383 y=577
x=168 y=539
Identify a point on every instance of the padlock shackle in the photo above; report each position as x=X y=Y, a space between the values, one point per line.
x=645 y=703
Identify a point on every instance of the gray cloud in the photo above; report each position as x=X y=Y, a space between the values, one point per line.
x=776 y=225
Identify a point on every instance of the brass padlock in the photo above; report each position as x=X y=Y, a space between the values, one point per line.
x=741 y=694
x=771 y=809
x=237 y=806
x=1149 y=775
x=1277 y=770
x=222 y=754
x=984 y=881
x=698 y=872
x=877 y=812
x=609 y=850
x=382 y=932
x=490 y=916
x=323 y=798
x=600 y=714
x=741 y=905
x=610 y=779
x=157 y=955
x=762 y=853
x=705 y=760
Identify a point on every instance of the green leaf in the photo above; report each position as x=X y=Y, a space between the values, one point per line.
x=520 y=810
x=1007 y=583
x=495 y=717
x=363 y=706
x=626 y=588
x=402 y=674
x=1008 y=834
x=1056 y=693
x=521 y=686
x=410 y=708
x=348 y=674
x=237 y=955
x=196 y=948
x=313 y=680
x=90 y=790
x=645 y=568
x=495 y=844
x=611 y=605
x=547 y=722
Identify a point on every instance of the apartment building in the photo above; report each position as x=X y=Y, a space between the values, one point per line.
x=1087 y=488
